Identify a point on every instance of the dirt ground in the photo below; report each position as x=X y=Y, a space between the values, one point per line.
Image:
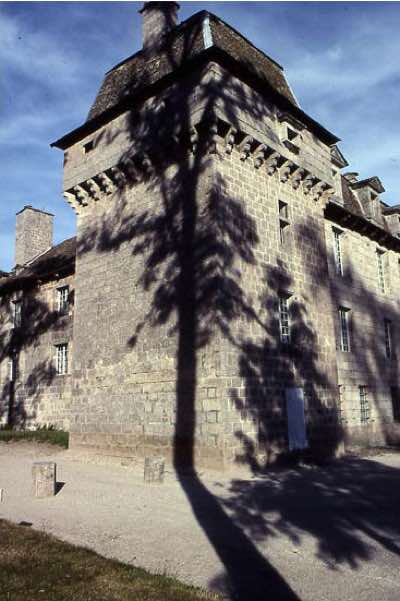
x=300 y=534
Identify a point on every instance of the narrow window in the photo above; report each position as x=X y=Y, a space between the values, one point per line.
x=62 y=359
x=344 y=329
x=17 y=313
x=394 y=392
x=388 y=337
x=284 y=318
x=337 y=250
x=63 y=299
x=364 y=405
x=381 y=270
x=12 y=369
x=284 y=222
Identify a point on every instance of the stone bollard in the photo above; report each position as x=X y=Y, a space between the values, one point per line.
x=154 y=470
x=44 y=479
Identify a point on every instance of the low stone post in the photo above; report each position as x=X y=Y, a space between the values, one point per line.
x=44 y=479
x=154 y=470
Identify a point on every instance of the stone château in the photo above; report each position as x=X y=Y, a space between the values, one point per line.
x=230 y=294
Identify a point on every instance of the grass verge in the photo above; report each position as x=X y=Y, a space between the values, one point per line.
x=57 y=437
x=39 y=567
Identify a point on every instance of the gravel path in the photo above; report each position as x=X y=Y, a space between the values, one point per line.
x=309 y=534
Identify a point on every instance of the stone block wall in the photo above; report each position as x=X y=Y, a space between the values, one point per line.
x=358 y=289
x=38 y=394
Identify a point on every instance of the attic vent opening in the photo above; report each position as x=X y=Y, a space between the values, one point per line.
x=88 y=147
x=292 y=134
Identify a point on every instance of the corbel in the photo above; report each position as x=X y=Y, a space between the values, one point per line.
x=285 y=170
x=194 y=139
x=297 y=177
x=94 y=189
x=131 y=170
x=71 y=200
x=230 y=140
x=260 y=155
x=245 y=147
x=118 y=176
x=81 y=195
x=105 y=182
x=213 y=136
x=272 y=162
x=308 y=183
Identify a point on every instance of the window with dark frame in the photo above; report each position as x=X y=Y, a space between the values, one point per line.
x=337 y=247
x=62 y=359
x=63 y=299
x=88 y=147
x=284 y=222
x=17 y=313
x=380 y=256
x=284 y=318
x=364 y=405
x=395 y=396
x=387 y=324
x=344 y=329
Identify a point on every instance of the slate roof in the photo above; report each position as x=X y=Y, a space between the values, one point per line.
x=183 y=43
x=201 y=37
x=59 y=259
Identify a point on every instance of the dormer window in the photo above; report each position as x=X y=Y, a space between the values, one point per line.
x=292 y=134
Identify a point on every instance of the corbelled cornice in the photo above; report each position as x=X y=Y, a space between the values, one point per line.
x=217 y=136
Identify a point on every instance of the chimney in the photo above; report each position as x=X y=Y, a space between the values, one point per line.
x=158 y=18
x=34 y=234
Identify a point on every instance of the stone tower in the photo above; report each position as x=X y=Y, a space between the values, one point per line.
x=199 y=187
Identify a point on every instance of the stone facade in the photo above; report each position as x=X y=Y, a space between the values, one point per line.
x=203 y=210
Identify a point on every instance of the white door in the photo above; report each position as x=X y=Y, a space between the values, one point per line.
x=296 y=419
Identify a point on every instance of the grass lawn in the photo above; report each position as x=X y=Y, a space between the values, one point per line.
x=57 y=437
x=35 y=566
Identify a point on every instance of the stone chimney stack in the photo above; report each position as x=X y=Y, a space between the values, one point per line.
x=34 y=234
x=158 y=18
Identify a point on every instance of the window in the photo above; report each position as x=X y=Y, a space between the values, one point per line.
x=394 y=393
x=388 y=337
x=284 y=222
x=12 y=369
x=284 y=318
x=344 y=329
x=381 y=270
x=337 y=250
x=62 y=359
x=63 y=299
x=17 y=313
x=364 y=405
x=292 y=134
x=88 y=147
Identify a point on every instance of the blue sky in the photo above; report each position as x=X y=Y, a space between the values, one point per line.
x=340 y=58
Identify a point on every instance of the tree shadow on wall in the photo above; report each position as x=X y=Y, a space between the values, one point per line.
x=25 y=387
x=193 y=243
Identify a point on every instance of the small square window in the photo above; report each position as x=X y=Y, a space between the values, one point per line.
x=88 y=147
x=292 y=134
x=62 y=359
